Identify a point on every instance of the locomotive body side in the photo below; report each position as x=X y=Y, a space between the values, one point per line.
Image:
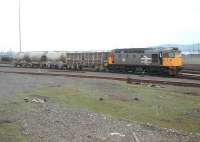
x=145 y=60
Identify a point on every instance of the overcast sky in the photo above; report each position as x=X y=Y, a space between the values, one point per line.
x=98 y=24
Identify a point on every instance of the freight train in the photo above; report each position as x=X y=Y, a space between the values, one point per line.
x=132 y=60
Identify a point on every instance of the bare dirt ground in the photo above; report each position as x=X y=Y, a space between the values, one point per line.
x=50 y=121
x=195 y=67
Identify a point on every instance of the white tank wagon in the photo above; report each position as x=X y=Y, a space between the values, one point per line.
x=56 y=59
x=30 y=59
x=20 y=59
x=37 y=59
x=37 y=56
x=19 y=56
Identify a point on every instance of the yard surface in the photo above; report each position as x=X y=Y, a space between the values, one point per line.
x=54 y=109
x=189 y=59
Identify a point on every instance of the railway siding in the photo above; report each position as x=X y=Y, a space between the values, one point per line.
x=97 y=75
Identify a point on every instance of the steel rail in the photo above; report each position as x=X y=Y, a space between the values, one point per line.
x=127 y=79
x=183 y=74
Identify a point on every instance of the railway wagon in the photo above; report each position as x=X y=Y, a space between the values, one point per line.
x=30 y=59
x=151 y=60
x=55 y=59
x=87 y=60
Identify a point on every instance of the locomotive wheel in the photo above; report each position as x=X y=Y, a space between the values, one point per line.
x=172 y=72
x=133 y=69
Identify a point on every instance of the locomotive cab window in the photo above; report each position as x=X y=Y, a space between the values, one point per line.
x=171 y=55
x=178 y=54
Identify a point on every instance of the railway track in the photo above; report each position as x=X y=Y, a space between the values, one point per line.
x=185 y=74
x=95 y=75
x=190 y=73
x=192 y=67
x=189 y=76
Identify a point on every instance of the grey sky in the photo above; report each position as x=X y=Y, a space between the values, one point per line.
x=98 y=24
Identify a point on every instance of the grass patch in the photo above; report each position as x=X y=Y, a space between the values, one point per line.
x=166 y=107
x=10 y=127
x=11 y=132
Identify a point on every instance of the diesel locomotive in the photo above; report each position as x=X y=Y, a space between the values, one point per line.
x=132 y=60
x=151 y=60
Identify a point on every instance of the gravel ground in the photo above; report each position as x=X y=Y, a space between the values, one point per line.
x=51 y=122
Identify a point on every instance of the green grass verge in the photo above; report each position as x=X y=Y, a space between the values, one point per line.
x=165 y=107
x=10 y=126
x=11 y=132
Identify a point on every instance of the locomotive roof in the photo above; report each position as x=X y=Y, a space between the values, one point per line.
x=142 y=50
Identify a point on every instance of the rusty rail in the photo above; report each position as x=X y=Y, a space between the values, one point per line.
x=128 y=80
